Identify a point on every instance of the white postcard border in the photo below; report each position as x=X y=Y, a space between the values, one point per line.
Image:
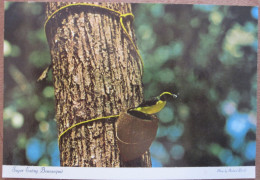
x=50 y=172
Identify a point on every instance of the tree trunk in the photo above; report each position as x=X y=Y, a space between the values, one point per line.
x=96 y=73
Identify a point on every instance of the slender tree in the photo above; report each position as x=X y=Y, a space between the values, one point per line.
x=96 y=73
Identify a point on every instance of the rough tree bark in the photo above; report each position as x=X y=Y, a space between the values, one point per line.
x=96 y=73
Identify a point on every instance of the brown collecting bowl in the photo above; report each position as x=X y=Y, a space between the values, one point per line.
x=134 y=135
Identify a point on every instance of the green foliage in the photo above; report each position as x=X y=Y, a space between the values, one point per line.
x=205 y=54
x=29 y=126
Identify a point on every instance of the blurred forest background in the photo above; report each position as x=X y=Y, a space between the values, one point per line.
x=204 y=53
